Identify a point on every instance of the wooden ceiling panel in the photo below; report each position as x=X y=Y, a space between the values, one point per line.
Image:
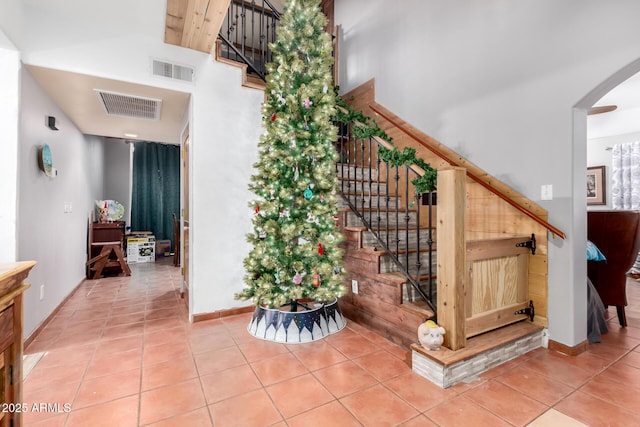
x=194 y=24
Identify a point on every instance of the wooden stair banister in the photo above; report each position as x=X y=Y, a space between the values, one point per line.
x=425 y=142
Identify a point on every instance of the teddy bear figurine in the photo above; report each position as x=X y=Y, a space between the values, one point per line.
x=430 y=335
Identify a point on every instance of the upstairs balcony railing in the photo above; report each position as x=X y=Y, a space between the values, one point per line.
x=247 y=31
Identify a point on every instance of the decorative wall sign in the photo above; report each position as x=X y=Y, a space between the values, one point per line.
x=596 y=186
x=45 y=161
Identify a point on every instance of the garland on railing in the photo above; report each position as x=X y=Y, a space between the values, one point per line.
x=368 y=128
x=395 y=157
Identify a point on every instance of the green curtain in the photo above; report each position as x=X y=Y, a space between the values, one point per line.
x=156 y=189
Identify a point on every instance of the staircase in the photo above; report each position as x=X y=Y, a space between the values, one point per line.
x=390 y=249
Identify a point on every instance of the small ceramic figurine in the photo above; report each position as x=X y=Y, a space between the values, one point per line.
x=430 y=335
x=103 y=211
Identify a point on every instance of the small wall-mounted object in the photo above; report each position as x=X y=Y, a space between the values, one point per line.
x=51 y=123
x=45 y=161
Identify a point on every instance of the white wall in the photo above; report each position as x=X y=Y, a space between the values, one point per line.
x=9 y=106
x=225 y=132
x=117 y=175
x=599 y=154
x=225 y=118
x=46 y=234
x=498 y=82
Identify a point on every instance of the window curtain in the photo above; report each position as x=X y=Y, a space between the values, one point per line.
x=625 y=182
x=156 y=189
x=625 y=176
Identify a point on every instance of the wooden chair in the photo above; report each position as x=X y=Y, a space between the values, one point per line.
x=176 y=241
x=617 y=235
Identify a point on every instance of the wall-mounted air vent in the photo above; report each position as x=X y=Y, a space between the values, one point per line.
x=121 y=104
x=172 y=71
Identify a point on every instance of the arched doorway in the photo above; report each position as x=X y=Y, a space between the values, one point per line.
x=579 y=158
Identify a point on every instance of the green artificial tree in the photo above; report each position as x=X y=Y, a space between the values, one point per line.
x=296 y=254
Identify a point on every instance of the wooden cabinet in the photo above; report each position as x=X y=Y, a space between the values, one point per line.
x=106 y=249
x=108 y=232
x=12 y=276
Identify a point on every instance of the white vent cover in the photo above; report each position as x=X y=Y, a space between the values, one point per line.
x=172 y=71
x=121 y=104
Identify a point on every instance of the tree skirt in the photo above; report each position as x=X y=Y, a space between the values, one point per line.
x=299 y=326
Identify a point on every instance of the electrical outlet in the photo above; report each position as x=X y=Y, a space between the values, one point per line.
x=354 y=286
x=41 y=292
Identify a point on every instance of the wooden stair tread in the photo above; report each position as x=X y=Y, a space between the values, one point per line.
x=393 y=277
x=401 y=210
x=404 y=251
x=354 y=228
x=402 y=279
x=480 y=343
x=419 y=308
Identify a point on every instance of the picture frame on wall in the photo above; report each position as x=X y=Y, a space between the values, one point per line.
x=596 y=186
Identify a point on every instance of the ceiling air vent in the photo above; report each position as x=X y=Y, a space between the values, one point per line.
x=121 y=104
x=172 y=71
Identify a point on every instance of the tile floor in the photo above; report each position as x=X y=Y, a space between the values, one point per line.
x=121 y=353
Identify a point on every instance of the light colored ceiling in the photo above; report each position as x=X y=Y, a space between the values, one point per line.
x=625 y=119
x=75 y=94
x=192 y=24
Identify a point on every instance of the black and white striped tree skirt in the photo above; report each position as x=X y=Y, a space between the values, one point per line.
x=304 y=325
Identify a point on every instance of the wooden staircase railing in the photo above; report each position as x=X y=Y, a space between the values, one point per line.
x=383 y=199
x=435 y=148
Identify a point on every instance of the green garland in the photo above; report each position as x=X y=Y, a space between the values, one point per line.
x=407 y=157
x=368 y=128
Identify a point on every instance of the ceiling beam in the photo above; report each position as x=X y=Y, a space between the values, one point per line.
x=194 y=24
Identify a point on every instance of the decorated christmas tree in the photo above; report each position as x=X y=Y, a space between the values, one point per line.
x=296 y=255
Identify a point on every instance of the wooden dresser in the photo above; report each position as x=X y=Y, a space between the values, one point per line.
x=12 y=276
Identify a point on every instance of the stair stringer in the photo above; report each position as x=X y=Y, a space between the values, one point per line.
x=248 y=80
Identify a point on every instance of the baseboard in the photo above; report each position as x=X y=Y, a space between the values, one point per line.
x=50 y=317
x=222 y=313
x=569 y=351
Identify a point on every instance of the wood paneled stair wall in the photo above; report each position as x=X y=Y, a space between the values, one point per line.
x=383 y=300
x=496 y=219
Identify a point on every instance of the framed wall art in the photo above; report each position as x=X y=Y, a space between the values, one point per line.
x=596 y=186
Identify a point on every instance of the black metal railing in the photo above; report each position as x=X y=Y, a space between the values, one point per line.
x=247 y=31
x=390 y=209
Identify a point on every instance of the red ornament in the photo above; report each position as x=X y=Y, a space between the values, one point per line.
x=258 y=209
x=273 y=117
x=320 y=249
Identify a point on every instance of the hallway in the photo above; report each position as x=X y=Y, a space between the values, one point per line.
x=121 y=353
